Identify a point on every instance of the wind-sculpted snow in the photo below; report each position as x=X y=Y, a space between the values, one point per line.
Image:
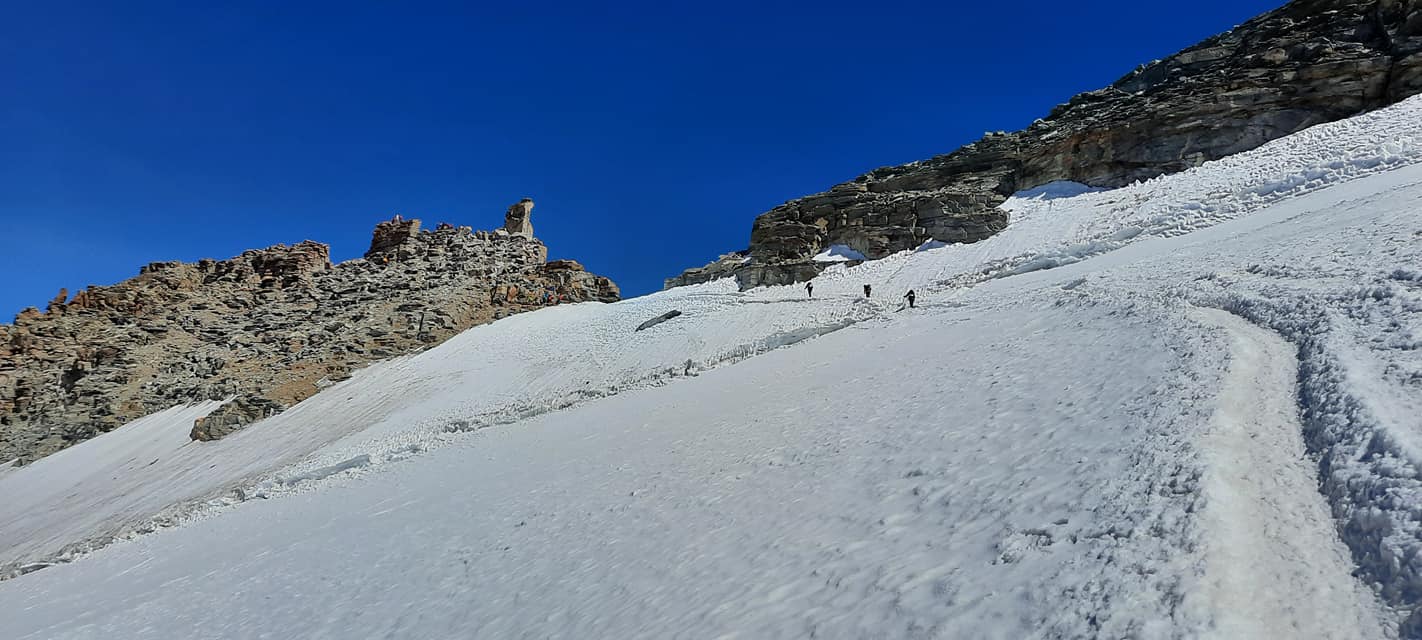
x=1332 y=273
x=1176 y=204
x=1356 y=318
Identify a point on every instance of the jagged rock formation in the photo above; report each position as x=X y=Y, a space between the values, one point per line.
x=390 y=234
x=1310 y=62
x=519 y=218
x=269 y=327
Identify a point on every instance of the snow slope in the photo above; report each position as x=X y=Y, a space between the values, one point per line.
x=1089 y=428
x=490 y=375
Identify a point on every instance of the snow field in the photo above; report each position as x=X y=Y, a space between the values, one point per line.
x=867 y=495
x=1058 y=443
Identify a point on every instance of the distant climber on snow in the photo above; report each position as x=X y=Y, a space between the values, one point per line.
x=909 y=296
x=867 y=291
x=810 y=289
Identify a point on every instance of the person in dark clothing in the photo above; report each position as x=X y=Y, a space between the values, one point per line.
x=909 y=296
x=867 y=291
x=810 y=289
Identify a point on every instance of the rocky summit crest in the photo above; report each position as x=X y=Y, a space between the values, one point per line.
x=1309 y=62
x=267 y=328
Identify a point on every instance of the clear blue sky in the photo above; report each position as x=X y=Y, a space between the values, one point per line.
x=650 y=135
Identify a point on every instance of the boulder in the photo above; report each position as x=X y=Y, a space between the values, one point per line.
x=232 y=417
x=658 y=320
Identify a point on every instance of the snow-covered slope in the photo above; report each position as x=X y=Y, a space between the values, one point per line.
x=1090 y=427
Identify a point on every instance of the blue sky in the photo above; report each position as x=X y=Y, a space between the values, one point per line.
x=650 y=135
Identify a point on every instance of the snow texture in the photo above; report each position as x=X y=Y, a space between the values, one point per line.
x=1112 y=420
x=838 y=253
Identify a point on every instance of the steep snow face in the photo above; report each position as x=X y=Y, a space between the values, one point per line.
x=1076 y=435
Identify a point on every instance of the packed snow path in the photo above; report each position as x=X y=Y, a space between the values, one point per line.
x=1064 y=441
x=1275 y=566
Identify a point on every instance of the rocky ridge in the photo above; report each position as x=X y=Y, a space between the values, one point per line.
x=268 y=328
x=1309 y=62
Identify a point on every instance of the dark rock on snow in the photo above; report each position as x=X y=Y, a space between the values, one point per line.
x=658 y=320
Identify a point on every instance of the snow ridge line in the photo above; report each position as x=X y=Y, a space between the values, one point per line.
x=318 y=471
x=1220 y=195
x=1369 y=481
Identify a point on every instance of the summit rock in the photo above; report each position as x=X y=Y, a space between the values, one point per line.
x=265 y=329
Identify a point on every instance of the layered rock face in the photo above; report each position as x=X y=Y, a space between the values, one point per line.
x=269 y=327
x=1310 y=62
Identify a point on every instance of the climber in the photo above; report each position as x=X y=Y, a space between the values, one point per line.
x=909 y=296
x=443 y=226
x=810 y=289
x=867 y=291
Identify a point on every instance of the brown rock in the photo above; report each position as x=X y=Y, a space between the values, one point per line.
x=519 y=218
x=391 y=234
x=57 y=304
x=270 y=327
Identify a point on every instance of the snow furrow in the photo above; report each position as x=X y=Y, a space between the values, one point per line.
x=1276 y=566
x=1372 y=484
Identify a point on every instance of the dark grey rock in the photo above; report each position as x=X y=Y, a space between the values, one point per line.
x=658 y=320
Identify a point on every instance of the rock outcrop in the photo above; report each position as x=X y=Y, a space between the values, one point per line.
x=518 y=220
x=719 y=268
x=267 y=328
x=232 y=416
x=1310 y=62
x=392 y=233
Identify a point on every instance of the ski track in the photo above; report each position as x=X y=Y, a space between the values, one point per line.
x=1275 y=565
x=1314 y=237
